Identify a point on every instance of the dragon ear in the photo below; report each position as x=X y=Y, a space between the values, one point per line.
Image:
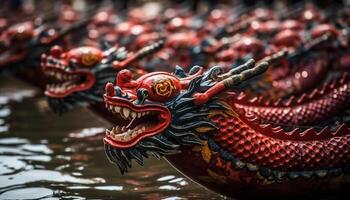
x=194 y=69
x=105 y=44
x=180 y=72
x=195 y=73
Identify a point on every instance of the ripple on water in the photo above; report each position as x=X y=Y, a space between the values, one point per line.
x=38 y=175
x=10 y=164
x=27 y=193
x=13 y=141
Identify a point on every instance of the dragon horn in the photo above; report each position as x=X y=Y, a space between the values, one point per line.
x=227 y=83
x=145 y=51
x=275 y=57
x=245 y=75
x=312 y=44
x=248 y=65
x=74 y=27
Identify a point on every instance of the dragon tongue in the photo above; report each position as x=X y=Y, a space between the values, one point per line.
x=131 y=122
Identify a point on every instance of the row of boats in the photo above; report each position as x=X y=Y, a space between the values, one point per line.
x=248 y=101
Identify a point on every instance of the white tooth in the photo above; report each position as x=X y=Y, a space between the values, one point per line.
x=110 y=107
x=133 y=114
x=127 y=137
x=126 y=112
x=139 y=115
x=117 y=109
x=143 y=128
x=120 y=137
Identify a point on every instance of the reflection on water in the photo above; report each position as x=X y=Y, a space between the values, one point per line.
x=45 y=156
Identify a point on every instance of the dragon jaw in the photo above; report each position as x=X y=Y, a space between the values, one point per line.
x=64 y=82
x=142 y=121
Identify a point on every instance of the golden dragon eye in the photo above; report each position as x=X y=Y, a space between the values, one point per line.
x=89 y=59
x=163 y=87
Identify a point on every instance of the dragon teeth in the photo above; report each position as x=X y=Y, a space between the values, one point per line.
x=125 y=112
x=117 y=109
x=121 y=134
x=133 y=114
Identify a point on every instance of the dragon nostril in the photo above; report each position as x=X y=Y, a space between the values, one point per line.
x=56 y=51
x=119 y=92
x=109 y=89
x=142 y=95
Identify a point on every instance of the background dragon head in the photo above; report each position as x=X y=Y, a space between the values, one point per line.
x=13 y=42
x=77 y=76
x=159 y=113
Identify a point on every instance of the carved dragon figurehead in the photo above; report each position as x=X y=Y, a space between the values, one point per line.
x=159 y=113
x=79 y=75
x=26 y=41
x=13 y=41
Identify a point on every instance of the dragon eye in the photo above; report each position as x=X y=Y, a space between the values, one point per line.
x=85 y=56
x=90 y=59
x=163 y=89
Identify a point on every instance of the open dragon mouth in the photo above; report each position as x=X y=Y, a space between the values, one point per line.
x=62 y=83
x=134 y=122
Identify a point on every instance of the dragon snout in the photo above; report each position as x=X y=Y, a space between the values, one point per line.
x=56 y=51
x=109 y=90
x=115 y=91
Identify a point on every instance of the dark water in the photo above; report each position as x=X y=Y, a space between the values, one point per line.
x=42 y=157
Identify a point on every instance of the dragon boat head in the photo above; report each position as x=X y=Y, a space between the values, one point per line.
x=159 y=113
x=77 y=76
x=13 y=41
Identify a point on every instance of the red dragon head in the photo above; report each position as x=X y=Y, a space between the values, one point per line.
x=69 y=79
x=154 y=112
x=13 y=40
x=77 y=75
